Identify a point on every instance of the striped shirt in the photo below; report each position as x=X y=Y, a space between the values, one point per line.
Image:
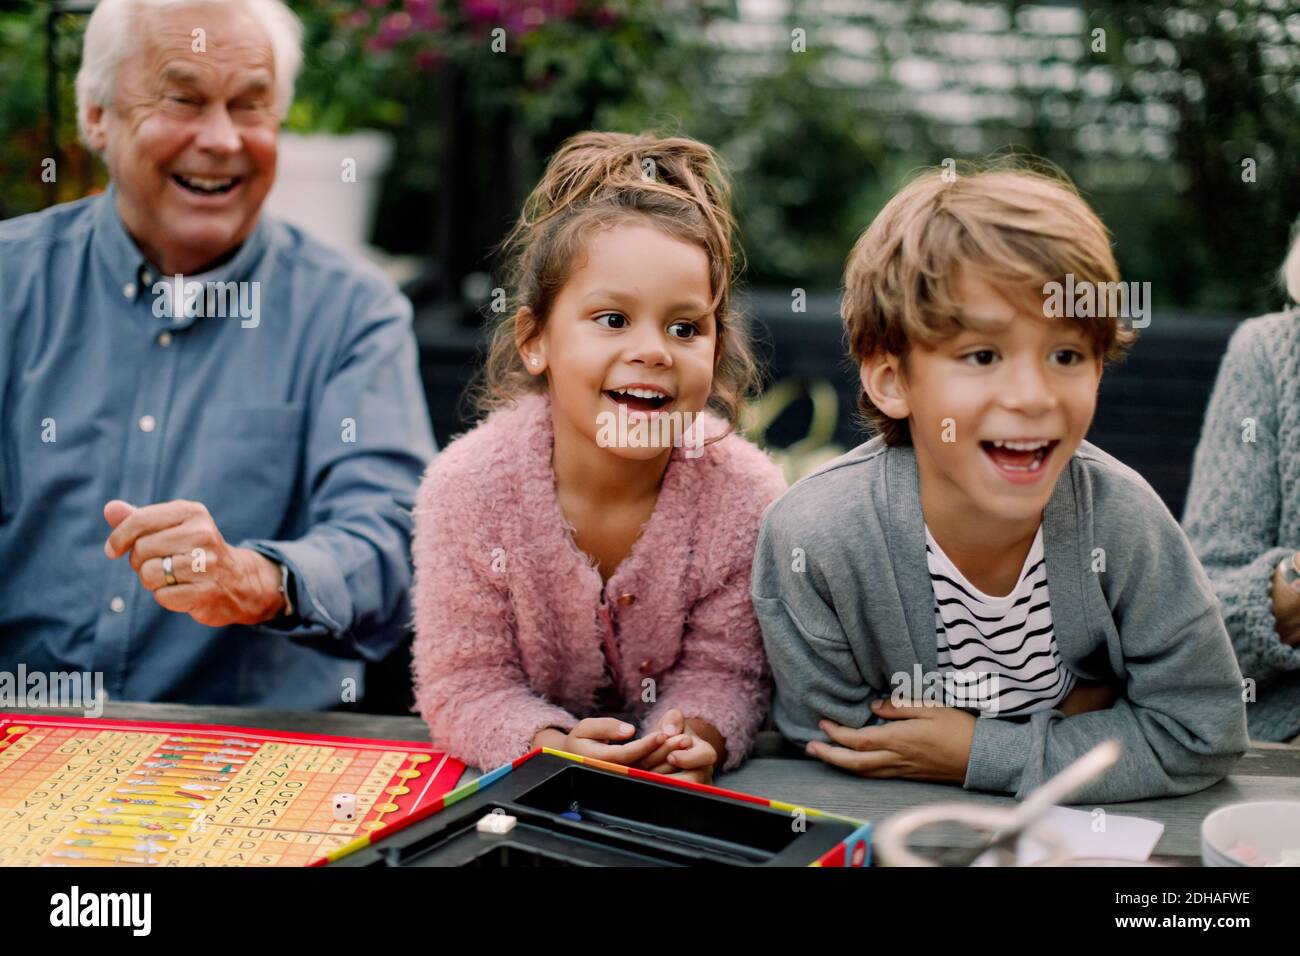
x=997 y=655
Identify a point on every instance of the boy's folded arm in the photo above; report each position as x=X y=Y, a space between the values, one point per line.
x=1182 y=722
x=1233 y=504
x=470 y=687
x=814 y=671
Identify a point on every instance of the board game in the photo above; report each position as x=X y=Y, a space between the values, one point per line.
x=549 y=808
x=93 y=792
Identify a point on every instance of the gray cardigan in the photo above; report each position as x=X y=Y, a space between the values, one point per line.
x=1243 y=507
x=862 y=610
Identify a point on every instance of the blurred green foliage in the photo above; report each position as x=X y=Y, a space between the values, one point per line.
x=22 y=114
x=1154 y=127
x=25 y=122
x=1212 y=222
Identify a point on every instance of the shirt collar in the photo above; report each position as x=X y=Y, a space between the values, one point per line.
x=135 y=275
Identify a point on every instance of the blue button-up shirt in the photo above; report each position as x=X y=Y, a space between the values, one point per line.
x=301 y=425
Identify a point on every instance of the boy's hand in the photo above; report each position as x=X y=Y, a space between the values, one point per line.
x=924 y=743
x=1087 y=696
x=604 y=738
x=686 y=751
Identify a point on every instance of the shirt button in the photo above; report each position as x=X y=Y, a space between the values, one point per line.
x=147 y=423
x=128 y=290
x=146 y=277
x=164 y=339
x=626 y=599
x=646 y=667
x=118 y=605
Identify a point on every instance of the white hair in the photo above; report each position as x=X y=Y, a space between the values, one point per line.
x=1291 y=268
x=115 y=31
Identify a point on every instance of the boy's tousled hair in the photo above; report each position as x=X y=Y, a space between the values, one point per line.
x=1018 y=227
x=596 y=180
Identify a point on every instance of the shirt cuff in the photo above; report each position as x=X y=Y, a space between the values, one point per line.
x=322 y=604
x=998 y=753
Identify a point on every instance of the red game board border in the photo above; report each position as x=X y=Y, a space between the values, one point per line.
x=445 y=773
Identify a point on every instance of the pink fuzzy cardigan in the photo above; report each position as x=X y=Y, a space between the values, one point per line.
x=509 y=616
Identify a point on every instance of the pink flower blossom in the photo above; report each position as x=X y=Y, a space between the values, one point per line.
x=482 y=11
x=424 y=14
x=396 y=27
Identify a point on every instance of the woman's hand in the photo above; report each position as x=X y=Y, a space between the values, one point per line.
x=1286 y=607
x=604 y=738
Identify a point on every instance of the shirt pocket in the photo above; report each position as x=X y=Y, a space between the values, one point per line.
x=252 y=478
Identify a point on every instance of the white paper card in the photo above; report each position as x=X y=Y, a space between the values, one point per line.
x=1113 y=837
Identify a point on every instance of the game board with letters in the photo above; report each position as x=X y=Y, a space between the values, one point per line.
x=91 y=792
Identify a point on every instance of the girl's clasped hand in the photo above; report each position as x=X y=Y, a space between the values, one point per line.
x=679 y=747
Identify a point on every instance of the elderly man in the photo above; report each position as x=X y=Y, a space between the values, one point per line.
x=209 y=505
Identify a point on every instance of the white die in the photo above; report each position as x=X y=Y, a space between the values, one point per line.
x=345 y=807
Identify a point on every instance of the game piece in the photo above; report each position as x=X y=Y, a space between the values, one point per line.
x=497 y=822
x=345 y=806
x=268 y=805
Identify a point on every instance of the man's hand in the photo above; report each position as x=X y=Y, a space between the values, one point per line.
x=925 y=743
x=216 y=584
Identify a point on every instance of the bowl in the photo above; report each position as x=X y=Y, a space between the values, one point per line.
x=1258 y=833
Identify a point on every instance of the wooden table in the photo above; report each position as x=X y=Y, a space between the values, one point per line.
x=780 y=771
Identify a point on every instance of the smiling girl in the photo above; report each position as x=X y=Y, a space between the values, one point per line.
x=582 y=593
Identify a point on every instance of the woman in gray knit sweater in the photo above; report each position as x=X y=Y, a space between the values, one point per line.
x=1243 y=508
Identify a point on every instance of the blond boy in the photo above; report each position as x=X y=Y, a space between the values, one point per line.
x=978 y=545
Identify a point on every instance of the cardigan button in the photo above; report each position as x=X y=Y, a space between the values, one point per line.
x=646 y=667
x=626 y=599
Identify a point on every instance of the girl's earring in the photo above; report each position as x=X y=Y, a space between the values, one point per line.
x=536 y=360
